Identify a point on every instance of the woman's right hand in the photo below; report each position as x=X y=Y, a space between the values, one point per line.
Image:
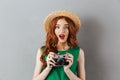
x=50 y=60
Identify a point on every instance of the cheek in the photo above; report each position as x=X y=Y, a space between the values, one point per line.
x=56 y=32
x=67 y=33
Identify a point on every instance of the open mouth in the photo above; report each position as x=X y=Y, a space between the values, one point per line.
x=62 y=36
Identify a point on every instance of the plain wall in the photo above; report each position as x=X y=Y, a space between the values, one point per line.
x=22 y=33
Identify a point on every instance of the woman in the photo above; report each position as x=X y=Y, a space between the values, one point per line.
x=61 y=28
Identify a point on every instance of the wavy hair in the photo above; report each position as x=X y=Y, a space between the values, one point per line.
x=52 y=40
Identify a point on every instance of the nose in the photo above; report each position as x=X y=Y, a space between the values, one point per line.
x=62 y=30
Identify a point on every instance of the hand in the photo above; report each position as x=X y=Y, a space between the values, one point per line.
x=50 y=60
x=70 y=60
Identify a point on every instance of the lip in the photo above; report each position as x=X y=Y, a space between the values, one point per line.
x=61 y=36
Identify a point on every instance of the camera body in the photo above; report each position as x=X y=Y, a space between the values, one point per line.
x=61 y=60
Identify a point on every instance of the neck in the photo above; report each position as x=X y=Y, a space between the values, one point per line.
x=62 y=46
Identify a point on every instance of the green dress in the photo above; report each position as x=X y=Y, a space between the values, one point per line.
x=57 y=73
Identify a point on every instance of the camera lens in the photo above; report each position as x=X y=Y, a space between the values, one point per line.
x=64 y=56
x=61 y=61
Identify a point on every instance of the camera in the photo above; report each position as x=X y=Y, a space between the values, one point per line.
x=60 y=60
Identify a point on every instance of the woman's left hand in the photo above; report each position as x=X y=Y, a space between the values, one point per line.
x=70 y=60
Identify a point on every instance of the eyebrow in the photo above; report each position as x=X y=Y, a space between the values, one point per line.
x=64 y=24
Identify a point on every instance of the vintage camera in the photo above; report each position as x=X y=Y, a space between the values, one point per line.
x=60 y=60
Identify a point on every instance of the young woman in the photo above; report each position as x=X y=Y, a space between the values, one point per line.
x=61 y=28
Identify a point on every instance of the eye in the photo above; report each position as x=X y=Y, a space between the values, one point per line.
x=66 y=26
x=57 y=27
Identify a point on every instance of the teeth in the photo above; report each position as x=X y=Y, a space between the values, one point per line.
x=62 y=36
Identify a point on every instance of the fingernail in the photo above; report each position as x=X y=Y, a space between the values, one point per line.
x=67 y=54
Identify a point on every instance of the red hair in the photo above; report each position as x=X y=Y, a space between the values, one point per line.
x=52 y=40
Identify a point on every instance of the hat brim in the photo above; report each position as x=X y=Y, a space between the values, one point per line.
x=65 y=13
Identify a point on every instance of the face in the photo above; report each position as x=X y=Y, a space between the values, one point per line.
x=62 y=30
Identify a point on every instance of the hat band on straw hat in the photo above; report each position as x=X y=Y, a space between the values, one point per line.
x=65 y=13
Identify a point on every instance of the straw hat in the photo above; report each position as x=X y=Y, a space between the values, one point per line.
x=65 y=13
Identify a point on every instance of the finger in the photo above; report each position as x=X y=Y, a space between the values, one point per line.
x=67 y=54
x=52 y=60
x=70 y=63
x=51 y=53
x=50 y=56
x=51 y=63
x=69 y=60
x=70 y=56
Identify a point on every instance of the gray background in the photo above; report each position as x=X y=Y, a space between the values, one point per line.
x=22 y=33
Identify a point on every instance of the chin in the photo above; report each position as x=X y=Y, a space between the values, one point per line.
x=62 y=41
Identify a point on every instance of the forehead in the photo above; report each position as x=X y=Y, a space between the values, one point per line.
x=62 y=21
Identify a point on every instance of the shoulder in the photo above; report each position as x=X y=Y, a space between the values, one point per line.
x=81 y=51
x=40 y=50
x=81 y=54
